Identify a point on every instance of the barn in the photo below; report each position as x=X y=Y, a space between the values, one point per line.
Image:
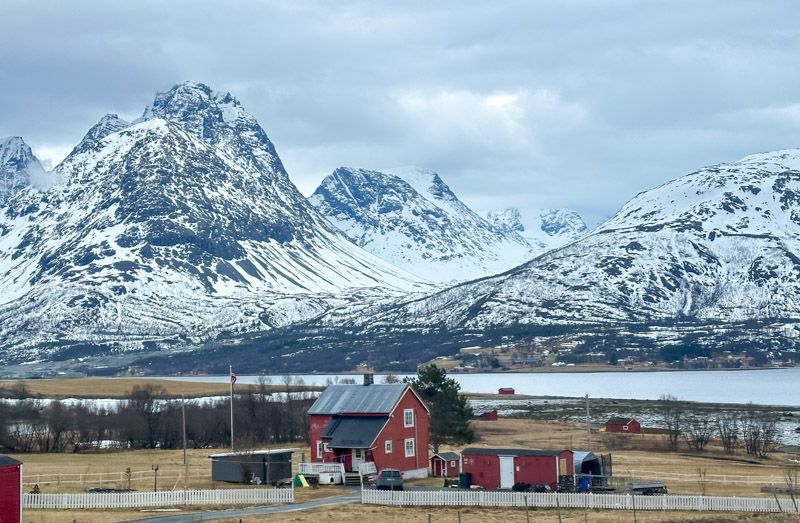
x=10 y=490
x=506 y=391
x=623 y=425
x=445 y=465
x=258 y=466
x=371 y=426
x=503 y=468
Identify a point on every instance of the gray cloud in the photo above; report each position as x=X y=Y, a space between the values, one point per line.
x=579 y=104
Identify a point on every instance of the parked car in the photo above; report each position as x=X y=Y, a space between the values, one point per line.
x=389 y=479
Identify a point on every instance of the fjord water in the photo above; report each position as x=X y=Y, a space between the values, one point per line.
x=762 y=387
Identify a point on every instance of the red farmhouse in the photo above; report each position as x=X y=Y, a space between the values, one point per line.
x=506 y=391
x=10 y=490
x=386 y=424
x=502 y=468
x=628 y=425
x=445 y=465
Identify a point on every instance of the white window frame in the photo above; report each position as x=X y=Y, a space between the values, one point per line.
x=406 y=422
x=387 y=446
x=325 y=447
x=358 y=453
x=413 y=450
x=320 y=448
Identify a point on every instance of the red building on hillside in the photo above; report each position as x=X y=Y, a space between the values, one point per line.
x=386 y=424
x=623 y=425
x=502 y=468
x=10 y=490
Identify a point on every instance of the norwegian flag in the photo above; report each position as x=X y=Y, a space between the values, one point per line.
x=233 y=378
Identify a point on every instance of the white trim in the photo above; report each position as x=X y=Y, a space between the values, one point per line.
x=406 y=423
x=413 y=447
x=320 y=448
x=387 y=446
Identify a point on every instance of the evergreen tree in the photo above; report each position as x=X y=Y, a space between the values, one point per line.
x=450 y=413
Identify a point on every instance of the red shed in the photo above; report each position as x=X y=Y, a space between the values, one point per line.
x=623 y=425
x=489 y=415
x=384 y=424
x=10 y=490
x=506 y=391
x=445 y=465
x=502 y=468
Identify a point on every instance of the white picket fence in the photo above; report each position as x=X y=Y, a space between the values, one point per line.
x=116 y=478
x=317 y=468
x=164 y=498
x=488 y=498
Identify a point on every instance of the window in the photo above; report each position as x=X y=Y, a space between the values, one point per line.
x=408 y=418
x=453 y=464
x=319 y=449
x=410 y=453
x=325 y=447
x=358 y=453
x=387 y=446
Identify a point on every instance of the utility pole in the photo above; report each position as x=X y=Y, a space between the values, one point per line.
x=155 y=477
x=232 y=379
x=588 y=425
x=185 y=455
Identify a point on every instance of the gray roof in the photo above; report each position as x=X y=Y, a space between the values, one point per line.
x=448 y=456
x=5 y=461
x=511 y=452
x=253 y=452
x=358 y=433
x=356 y=399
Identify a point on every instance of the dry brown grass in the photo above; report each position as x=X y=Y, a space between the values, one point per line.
x=381 y=514
x=637 y=453
x=121 y=387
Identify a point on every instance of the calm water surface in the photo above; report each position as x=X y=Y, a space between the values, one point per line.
x=766 y=387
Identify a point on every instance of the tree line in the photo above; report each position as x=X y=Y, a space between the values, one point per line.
x=149 y=418
x=751 y=431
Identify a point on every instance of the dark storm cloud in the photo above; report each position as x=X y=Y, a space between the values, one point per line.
x=535 y=104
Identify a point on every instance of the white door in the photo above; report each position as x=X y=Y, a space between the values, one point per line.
x=358 y=457
x=506 y=471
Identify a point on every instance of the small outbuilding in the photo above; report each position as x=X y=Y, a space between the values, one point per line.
x=10 y=490
x=489 y=415
x=506 y=391
x=623 y=425
x=445 y=465
x=254 y=467
x=503 y=468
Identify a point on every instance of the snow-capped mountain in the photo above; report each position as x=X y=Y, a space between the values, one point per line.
x=544 y=230
x=720 y=244
x=412 y=219
x=178 y=226
x=19 y=167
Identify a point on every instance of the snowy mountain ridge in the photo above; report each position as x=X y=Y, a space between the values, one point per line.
x=412 y=219
x=175 y=228
x=545 y=230
x=19 y=168
x=720 y=244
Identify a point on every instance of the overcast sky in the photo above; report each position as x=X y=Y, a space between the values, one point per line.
x=576 y=104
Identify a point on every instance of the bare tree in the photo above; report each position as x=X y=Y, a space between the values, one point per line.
x=759 y=433
x=672 y=419
x=728 y=430
x=698 y=432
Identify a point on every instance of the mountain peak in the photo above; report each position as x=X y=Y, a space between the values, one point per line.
x=19 y=167
x=110 y=123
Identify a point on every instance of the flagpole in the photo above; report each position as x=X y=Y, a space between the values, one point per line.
x=230 y=378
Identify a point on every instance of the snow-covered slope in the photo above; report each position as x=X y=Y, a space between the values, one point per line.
x=412 y=219
x=719 y=244
x=544 y=230
x=19 y=168
x=183 y=224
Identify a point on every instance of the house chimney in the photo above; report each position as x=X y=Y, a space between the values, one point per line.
x=368 y=379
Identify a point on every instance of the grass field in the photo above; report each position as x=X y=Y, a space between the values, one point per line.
x=120 y=387
x=681 y=471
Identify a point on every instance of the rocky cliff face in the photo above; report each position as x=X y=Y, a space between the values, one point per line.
x=412 y=219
